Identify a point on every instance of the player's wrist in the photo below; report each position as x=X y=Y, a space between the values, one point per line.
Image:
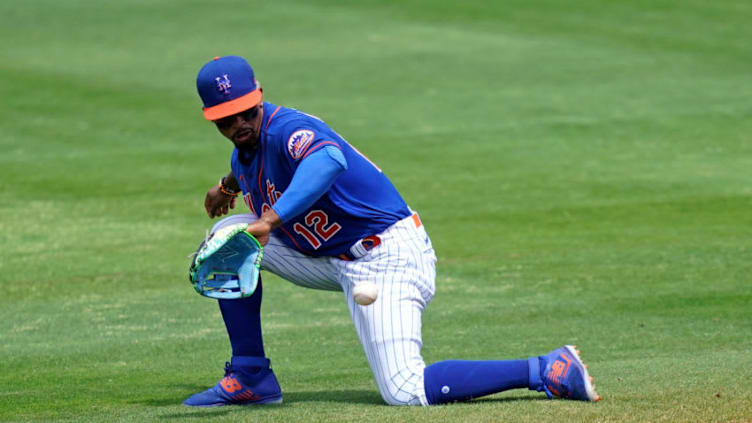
x=226 y=188
x=270 y=219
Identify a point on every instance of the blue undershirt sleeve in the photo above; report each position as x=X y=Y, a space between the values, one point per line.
x=313 y=177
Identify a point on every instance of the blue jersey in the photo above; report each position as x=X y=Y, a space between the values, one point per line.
x=361 y=201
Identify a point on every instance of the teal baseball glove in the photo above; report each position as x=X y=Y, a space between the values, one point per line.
x=226 y=265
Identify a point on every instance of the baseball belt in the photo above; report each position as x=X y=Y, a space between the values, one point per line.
x=364 y=245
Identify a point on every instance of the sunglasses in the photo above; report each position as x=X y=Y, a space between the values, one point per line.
x=247 y=115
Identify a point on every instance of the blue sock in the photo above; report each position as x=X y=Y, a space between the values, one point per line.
x=460 y=380
x=243 y=321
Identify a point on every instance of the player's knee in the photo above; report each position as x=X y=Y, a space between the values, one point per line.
x=400 y=397
x=405 y=388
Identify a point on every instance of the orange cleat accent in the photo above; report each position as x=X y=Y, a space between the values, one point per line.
x=566 y=376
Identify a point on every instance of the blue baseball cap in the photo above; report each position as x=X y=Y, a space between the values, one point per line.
x=227 y=86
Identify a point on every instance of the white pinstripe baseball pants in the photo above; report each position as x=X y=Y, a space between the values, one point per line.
x=403 y=266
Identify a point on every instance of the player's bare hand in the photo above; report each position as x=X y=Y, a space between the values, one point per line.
x=218 y=204
x=262 y=227
x=260 y=230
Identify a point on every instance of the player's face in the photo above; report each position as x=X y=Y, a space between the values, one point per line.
x=242 y=128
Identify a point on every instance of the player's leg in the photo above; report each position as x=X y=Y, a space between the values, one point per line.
x=560 y=374
x=403 y=268
x=248 y=376
x=390 y=331
x=289 y=264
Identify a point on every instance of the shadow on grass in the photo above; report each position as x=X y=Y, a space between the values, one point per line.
x=508 y=398
x=184 y=391
x=181 y=393
x=199 y=413
x=347 y=396
x=350 y=396
x=373 y=397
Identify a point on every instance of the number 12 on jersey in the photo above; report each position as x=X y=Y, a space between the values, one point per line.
x=317 y=228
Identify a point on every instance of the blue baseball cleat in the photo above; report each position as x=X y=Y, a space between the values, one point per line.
x=562 y=374
x=241 y=386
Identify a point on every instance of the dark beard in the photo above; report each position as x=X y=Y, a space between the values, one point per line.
x=246 y=154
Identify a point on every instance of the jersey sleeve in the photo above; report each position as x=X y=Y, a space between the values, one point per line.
x=312 y=179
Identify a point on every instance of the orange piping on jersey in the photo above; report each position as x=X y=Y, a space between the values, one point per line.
x=247 y=198
x=318 y=146
x=261 y=171
x=292 y=238
x=271 y=117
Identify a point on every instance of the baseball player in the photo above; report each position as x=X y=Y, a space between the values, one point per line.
x=330 y=219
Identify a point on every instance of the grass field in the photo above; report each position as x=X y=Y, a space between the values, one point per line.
x=584 y=169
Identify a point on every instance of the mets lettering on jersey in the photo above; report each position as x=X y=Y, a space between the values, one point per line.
x=361 y=201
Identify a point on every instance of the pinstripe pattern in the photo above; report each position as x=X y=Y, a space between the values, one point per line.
x=289 y=264
x=403 y=268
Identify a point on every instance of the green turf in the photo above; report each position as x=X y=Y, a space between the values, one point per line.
x=583 y=169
